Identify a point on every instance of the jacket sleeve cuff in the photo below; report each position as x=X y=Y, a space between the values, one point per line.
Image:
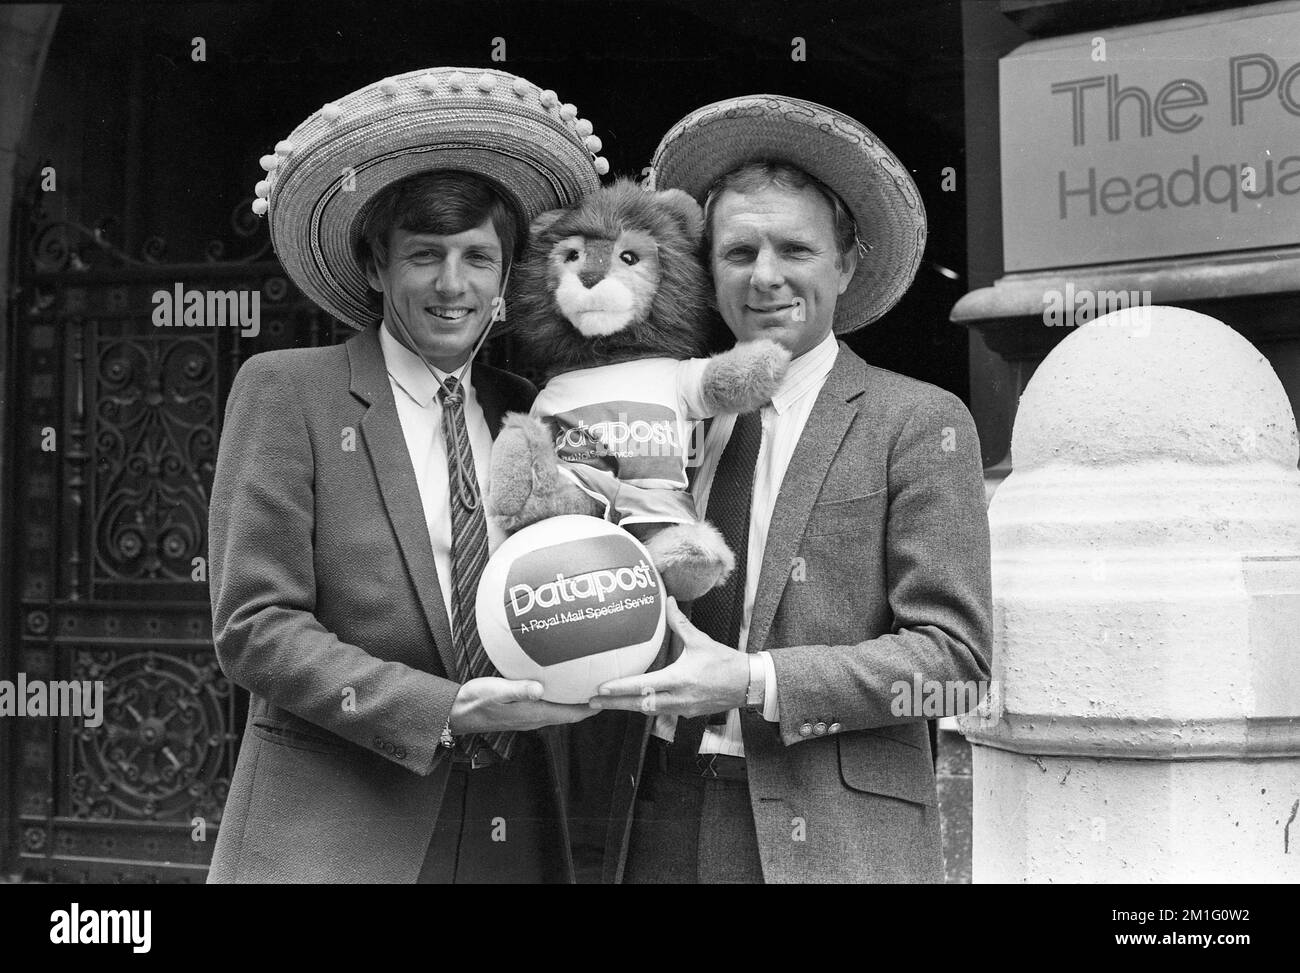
x=771 y=704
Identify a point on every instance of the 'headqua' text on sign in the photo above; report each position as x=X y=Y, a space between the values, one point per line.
x=1158 y=140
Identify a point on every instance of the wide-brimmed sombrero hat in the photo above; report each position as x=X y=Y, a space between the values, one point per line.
x=835 y=149
x=534 y=148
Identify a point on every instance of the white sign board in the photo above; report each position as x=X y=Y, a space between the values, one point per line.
x=1165 y=139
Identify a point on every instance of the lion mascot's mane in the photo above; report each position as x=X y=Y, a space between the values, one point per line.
x=671 y=329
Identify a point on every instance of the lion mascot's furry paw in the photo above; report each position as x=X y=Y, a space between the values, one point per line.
x=612 y=301
x=525 y=477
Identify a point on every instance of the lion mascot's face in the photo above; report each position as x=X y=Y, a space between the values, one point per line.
x=615 y=278
x=603 y=285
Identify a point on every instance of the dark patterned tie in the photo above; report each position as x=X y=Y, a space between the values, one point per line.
x=469 y=551
x=718 y=613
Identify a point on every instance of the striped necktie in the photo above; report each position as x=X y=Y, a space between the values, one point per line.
x=469 y=551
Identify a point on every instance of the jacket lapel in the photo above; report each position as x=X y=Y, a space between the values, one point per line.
x=829 y=421
x=381 y=431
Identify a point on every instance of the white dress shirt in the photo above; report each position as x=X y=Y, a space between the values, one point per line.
x=783 y=424
x=420 y=412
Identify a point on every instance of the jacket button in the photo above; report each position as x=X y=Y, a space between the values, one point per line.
x=401 y=753
x=379 y=742
x=834 y=728
x=805 y=730
x=819 y=729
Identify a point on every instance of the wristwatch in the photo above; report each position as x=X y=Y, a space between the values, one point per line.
x=756 y=691
x=447 y=740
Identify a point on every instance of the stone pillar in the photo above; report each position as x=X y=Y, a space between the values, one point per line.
x=1145 y=722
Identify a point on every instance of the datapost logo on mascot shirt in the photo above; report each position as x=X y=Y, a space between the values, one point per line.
x=635 y=440
x=571 y=602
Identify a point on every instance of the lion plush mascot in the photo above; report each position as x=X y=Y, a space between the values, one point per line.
x=612 y=301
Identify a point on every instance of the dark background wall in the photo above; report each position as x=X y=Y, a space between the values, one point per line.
x=161 y=151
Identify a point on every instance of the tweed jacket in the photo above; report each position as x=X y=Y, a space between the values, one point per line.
x=876 y=571
x=326 y=607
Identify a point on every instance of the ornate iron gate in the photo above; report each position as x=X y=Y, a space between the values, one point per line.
x=116 y=424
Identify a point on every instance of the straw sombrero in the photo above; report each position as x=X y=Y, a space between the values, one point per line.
x=833 y=148
x=534 y=148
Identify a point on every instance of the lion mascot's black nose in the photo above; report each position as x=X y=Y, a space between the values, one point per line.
x=596 y=265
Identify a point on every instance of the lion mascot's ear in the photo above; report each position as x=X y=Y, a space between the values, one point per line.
x=543 y=221
x=686 y=210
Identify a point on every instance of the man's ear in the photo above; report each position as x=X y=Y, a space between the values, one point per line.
x=542 y=222
x=848 y=267
x=689 y=213
x=370 y=261
x=372 y=275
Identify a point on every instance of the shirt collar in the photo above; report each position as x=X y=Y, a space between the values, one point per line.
x=806 y=373
x=411 y=374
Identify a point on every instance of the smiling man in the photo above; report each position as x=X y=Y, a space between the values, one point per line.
x=784 y=253
x=347 y=527
x=435 y=247
x=768 y=750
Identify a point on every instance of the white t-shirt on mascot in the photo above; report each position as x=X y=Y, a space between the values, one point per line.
x=628 y=423
x=571 y=602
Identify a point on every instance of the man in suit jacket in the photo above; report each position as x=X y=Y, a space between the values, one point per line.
x=781 y=744
x=347 y=530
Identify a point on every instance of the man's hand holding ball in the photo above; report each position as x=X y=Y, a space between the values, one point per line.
x=706 y=677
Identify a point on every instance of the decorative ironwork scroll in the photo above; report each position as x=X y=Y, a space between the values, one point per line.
x=156 y=449
x=158 y=755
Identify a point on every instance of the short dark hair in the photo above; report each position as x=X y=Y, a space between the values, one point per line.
x=442 y=202
x=767 y=172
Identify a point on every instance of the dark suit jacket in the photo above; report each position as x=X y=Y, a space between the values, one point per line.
x=876 y=568
x=326 y=607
